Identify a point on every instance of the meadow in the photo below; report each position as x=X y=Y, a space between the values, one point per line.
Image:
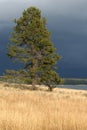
x=62 y=109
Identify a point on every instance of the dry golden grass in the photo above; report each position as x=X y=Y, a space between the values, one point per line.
x=61 y=109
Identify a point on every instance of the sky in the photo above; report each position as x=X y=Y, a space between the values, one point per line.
x=67 y=22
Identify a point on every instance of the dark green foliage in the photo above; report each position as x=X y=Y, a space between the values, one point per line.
x=19 y=76
x=31 y=45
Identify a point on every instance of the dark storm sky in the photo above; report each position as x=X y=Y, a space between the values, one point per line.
x=67 y=22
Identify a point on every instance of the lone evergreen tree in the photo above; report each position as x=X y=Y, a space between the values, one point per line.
x=31 y=44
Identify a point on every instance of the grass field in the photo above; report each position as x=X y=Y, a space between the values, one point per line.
x=61 y=109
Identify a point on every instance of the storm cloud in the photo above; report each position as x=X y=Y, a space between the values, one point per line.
x=67 y=22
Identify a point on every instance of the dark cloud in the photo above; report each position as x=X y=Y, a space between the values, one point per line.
x=70 y=37
x=67 y=22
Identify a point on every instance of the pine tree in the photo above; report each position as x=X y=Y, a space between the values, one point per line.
x=31 y=45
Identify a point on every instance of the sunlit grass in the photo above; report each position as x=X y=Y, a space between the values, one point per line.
x=61 y=109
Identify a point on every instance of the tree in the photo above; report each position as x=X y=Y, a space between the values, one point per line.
x=31 y=45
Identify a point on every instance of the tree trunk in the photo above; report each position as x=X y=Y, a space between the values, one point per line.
x=50 y=88
x=33 y=84
x=34 y=67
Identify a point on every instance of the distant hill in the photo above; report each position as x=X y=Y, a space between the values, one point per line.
x=74 y=81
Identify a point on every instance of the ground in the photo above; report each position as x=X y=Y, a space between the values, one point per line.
x=23 y=109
